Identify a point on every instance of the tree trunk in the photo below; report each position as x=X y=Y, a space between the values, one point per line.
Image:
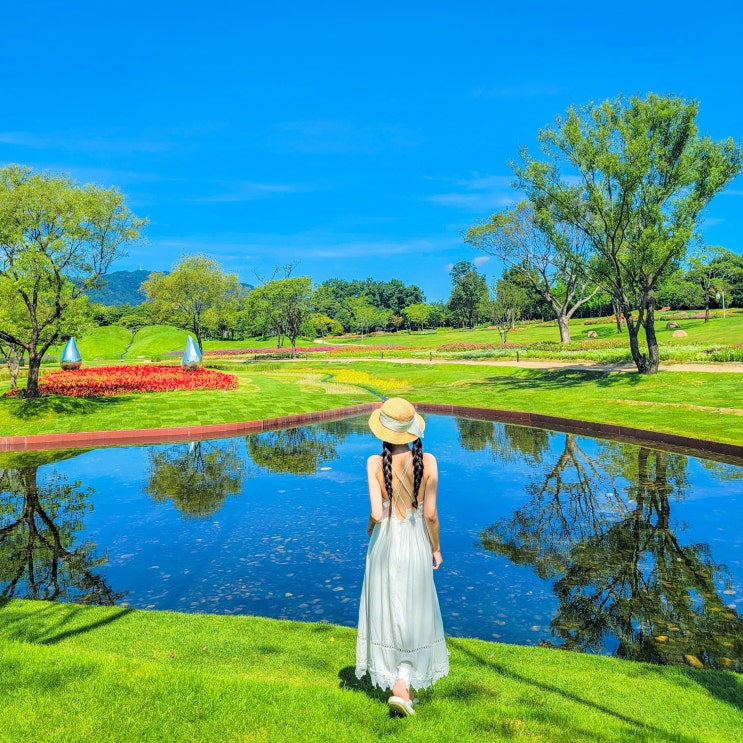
x=32 y=382
x=617 y=313
x=706 y=305
x=646 y=364
x=14 y=359
x=652 y=340
x=562 y=323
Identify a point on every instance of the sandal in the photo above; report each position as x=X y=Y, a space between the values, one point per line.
x=401 y=706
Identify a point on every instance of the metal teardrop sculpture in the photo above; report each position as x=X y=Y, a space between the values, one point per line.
x=70 y=358
x=191 y=358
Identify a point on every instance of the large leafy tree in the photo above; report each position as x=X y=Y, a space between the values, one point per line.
x=283 y=307
x=57 y=239
x=551 y=258
x=194 y=294
x=633 y=175
x=469 y=293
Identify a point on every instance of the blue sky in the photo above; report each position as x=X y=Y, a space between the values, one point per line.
x=353 y=139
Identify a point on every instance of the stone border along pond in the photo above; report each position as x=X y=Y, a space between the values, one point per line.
x=731 y=453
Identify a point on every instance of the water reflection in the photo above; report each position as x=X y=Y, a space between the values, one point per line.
x=197 y=477
x=507 y=442
x=622 y=575
x=550 y=538
x=39 y=523
x=298 y=451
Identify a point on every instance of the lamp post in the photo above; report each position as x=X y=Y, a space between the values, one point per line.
x=719 y=294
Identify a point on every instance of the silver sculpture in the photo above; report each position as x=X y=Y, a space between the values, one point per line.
x=70 y=358
x=191 y=358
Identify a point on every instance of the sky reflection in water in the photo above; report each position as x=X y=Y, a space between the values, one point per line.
x=547 y=537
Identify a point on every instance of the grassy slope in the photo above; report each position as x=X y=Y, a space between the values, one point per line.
x=704 y=405
x=70 y=673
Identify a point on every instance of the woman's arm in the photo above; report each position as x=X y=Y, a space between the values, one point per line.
x=375 y=492
x=430 y=511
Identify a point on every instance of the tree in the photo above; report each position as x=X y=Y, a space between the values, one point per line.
x=194 y=288
x=678 y=292
x=365 y=315
x=283 y=307
x=550 y=257
x=732 y=266
x=469 y=292
x=638 y=177
x=418 y=314
x=505 y=306
x=40 y=556
x=299 y=451
x=197 y=477
x=57 y=239
x=708 y=273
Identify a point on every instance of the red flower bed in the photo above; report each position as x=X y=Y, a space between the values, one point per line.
x=119 y=380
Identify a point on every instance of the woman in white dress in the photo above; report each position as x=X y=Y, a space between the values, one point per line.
x=401 y=641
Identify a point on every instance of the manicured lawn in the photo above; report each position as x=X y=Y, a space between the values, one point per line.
x=72 y=673
x=700 y=404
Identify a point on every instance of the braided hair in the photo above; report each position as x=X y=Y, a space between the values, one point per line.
x=417 y=468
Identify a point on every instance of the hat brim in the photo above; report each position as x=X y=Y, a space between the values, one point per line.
x=393 y=437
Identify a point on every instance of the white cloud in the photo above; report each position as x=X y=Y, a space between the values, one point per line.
x=526 y=90
x=84 y=144
x=477 y=194
x=251 y=191
x=480 y=260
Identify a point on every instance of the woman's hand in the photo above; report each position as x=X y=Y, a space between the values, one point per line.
x=437 y=559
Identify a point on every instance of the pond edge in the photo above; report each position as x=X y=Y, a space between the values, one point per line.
x=731 y=453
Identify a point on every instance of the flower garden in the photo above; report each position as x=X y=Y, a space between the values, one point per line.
x=120 y=380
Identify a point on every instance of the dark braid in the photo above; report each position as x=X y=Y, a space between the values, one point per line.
x=417 y=469
x=387 y=467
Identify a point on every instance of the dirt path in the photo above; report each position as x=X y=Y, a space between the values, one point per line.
x=729 y=366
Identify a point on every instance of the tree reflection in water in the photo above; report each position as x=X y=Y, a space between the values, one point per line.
x=197 y=476
x=298 y=451
x=38 y=523
x=622 y=578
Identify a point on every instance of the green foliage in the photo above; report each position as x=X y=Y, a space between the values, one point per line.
x=550 y=257
x=643 y=174
x=57 y=239
x=281 y=307
x=469 y=294
x=196 y=294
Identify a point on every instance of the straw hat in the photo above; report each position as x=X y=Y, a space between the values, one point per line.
x=396 y=422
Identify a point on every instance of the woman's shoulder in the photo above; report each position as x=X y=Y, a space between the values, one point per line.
x=428 y=458
x=375 y=460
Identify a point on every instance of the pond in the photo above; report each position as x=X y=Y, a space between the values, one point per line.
x=548 y=538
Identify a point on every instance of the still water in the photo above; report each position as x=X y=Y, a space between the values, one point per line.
x=548 y=538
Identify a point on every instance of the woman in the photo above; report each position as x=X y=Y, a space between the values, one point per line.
x=401 y=636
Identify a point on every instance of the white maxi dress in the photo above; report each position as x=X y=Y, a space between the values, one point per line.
x=399 y=616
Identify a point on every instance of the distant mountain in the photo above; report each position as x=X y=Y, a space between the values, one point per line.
x=120 y=287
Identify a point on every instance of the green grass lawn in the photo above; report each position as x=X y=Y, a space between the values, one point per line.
x=728 y=331
x=705 y=405
x=72 y=673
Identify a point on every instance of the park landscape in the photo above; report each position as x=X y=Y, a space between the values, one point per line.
x=605 y=313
